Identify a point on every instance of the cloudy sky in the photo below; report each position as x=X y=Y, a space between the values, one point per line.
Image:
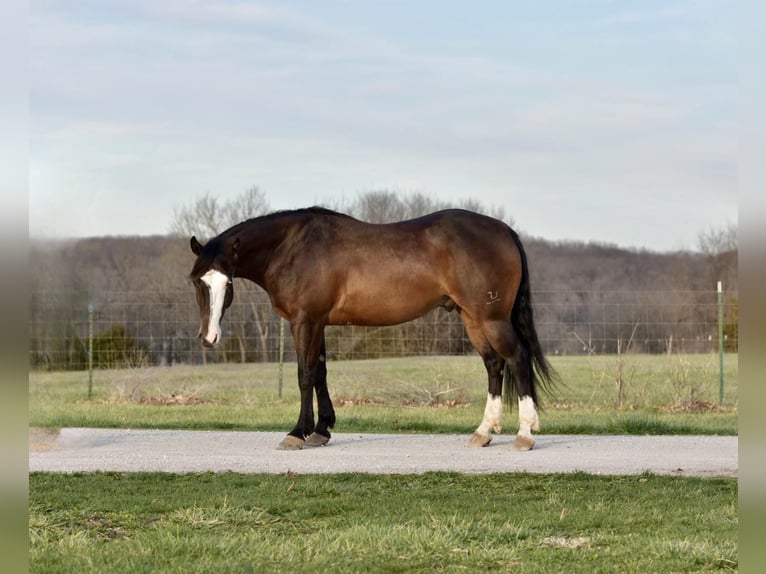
x=586 y=120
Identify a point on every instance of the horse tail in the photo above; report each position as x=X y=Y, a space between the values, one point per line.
x=522 y=321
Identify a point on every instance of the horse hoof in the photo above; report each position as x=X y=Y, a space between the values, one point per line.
x=479 y=440
x=523 y=443
x=317 y=439
x=291 y=442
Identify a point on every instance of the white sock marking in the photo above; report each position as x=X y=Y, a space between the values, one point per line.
x=528 y=419
x=493 y=416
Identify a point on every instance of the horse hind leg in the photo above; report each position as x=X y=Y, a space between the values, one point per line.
x=493 y=411
x=528 y=422
x=493 y=362
x=504 y=340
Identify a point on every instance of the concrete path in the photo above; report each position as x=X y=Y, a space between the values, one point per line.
x=121 y=450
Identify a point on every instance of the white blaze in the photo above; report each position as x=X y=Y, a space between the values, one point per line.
x=216 y=283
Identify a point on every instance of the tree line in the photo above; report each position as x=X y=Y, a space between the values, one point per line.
x=134 y=294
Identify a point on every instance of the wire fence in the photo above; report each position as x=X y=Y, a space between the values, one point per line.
x=134 y=329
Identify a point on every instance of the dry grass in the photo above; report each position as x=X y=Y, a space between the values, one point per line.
x=416 y=394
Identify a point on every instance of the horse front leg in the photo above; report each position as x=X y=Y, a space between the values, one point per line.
x=326 y=419
x=309 y=338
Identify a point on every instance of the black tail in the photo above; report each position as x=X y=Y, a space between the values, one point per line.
x=523 y=324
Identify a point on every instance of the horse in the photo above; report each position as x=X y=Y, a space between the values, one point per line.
x=320 y=267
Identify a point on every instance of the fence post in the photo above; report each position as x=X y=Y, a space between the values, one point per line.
x=720 y=343
x=281 y=355
x=90 y=350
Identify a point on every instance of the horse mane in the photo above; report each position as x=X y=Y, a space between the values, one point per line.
x=313 y=210
x=213 y=246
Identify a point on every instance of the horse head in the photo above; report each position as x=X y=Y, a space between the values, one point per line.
x=212 y=276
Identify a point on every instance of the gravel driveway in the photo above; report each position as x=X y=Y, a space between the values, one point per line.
x=124 y=450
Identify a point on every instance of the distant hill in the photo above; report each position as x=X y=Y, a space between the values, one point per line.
x=587 y=297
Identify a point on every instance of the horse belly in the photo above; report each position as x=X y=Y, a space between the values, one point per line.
x=385 y=303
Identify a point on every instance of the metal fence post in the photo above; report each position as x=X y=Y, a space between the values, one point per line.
x=281 y=356
x=720 y=343
x=90 y=350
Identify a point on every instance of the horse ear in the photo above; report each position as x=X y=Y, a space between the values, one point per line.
x=196 y=247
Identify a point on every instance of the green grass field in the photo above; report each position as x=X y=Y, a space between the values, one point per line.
x=437 y=522
x=639 y=395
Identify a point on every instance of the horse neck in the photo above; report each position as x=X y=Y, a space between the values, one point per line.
x=258 y=241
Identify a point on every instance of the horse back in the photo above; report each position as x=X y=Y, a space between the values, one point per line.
x=352 y=272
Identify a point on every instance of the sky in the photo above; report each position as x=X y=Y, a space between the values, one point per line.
x=586 y=120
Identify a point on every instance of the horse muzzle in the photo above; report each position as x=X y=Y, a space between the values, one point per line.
x=209 y=341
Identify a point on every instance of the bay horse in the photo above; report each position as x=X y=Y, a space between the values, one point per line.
x=320 y=268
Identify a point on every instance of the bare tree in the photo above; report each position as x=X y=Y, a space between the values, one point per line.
x=719 y=247
x=384 y=206
x=716 y=241
x=207 y=216
x=378 y=207
x=496 y=211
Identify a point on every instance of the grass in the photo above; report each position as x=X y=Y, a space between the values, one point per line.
x=437 y=522
x=655 y=395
